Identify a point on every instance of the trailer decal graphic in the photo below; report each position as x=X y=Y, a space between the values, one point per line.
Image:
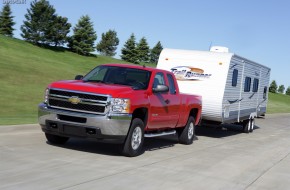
x=189 y=73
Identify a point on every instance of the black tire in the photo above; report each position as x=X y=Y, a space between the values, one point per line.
x=187 y=134
x=133 y=145
x=55 y=139
x=247 y=125
x=252 y=125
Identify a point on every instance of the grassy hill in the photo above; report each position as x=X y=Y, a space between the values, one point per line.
x=278 y=103
x=26 y=70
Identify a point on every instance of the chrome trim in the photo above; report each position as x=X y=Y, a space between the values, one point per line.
x=82 y=102
x=75 y=110
x=67 y=97
x=105 y=104
x=80 y=92
x=117 y=125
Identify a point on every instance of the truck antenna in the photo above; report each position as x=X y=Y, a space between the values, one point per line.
x=210 y=45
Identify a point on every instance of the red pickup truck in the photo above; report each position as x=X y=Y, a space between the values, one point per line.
x=119 y=103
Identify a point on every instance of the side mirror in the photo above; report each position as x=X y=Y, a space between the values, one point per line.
x=79 y=77
x=160 y=88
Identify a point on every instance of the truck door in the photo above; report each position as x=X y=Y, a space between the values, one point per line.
x=161 y=106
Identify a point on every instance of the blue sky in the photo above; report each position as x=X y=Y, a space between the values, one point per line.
x=255 y=29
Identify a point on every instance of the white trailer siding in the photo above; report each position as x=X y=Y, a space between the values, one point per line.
x=214 y=64
x=210 y=74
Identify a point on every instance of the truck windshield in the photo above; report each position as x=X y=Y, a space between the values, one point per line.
x=136 y=78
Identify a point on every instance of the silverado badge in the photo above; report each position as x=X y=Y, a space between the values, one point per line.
x=74 y=100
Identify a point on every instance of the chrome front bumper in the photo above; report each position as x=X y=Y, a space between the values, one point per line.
x=69 y=123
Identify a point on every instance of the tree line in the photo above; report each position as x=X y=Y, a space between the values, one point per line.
x=274 y=88
x=44 y=27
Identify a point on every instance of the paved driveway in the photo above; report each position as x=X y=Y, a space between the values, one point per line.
x=219 y=159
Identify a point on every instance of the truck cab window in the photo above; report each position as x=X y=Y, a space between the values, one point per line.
x=158 y=79
x=172 y=88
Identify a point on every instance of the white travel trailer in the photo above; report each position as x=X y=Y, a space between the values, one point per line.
x=233 y=89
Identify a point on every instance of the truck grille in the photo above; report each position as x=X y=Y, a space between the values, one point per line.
x=78 y=101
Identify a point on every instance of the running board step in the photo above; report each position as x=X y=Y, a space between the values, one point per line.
x=158 y=134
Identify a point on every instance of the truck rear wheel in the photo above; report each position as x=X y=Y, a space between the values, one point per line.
x=187 y=133
x=54 y=139
x=133 y=145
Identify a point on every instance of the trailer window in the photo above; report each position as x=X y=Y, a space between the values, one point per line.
x=172 y=88
x=265 y=92
x=255 y=85
x=247 y=85
x=235 y=77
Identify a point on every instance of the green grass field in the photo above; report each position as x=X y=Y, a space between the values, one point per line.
x=26 y=70
x=278 y=103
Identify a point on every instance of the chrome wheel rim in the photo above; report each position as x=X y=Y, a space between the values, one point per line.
x=249 y=125
x=252 y=125
x=136 y=138
x=190 y=131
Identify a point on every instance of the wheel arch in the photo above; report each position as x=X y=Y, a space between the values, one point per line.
x=195 y=112
x=141 y=113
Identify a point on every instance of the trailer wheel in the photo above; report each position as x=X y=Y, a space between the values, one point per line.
x=187 y=133
x=134 y=142
x=247 y=125
x=55 y=139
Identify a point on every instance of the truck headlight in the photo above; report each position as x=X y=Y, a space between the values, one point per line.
x=46 y=96
x=120 y=105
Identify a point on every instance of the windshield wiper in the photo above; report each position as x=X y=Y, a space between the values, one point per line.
x=94 y=81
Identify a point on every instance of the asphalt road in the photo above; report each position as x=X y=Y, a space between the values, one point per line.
x=218 y=159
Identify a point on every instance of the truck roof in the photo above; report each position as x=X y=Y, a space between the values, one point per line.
x=134 y=66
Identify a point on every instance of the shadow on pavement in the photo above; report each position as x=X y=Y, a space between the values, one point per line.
x=220 y=131
x=150 y=144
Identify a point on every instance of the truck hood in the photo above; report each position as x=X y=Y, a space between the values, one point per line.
x=99 y=88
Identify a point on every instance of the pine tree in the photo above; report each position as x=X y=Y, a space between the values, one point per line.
x=155 y=52
x=108 y=44
x=143 y=50
x=6 y=21
x=39 y=21
x=273 y=87
x=288 y=91
x=84 y=37
x=281 y=89
x=59 y=31
x=129 y=52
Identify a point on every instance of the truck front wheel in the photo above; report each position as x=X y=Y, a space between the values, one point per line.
x=54 y=139
x=134 y=142
x=187 y=133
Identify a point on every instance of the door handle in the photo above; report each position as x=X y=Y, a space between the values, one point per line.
x=167 y=101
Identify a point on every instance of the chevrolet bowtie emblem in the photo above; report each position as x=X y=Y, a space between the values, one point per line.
x=74 y=100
